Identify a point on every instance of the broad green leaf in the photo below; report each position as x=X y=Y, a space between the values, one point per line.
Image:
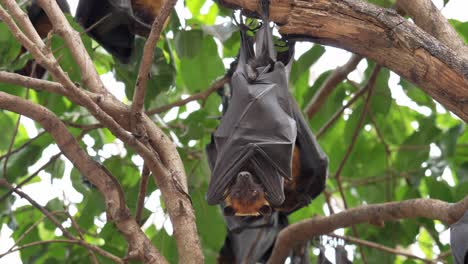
x=162 y=73
x=199 y=71
x=461 y=28
x=9 y=47
x=303 y=64
x=417 y=95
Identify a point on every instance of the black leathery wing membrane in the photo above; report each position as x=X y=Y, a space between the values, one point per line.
x=258 y=128
x=459 y=240
x=113 y=25
x=35 y=12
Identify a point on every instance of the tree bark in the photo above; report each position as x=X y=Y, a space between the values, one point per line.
x=381 y=35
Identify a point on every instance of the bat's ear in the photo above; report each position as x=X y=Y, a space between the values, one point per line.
x=229 y=211
x=265 y=210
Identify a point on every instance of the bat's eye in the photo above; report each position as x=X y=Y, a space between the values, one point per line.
x=254 y=193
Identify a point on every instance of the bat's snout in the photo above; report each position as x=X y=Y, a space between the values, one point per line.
x=246 y=197
x=244 y=176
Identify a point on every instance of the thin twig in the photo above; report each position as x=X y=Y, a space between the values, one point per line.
x=145 y=66
x=30 y=177
x=57 y=223
x=36 y=84
x=380 y=247
x=15 y=132
x=34 y=174
x=198 y=96
x=27 y=143
x=371 y=86
x=388 y=153
x=142 y=193
x=75 y=225
x=337 y=114
x=25 y=233
x=69 y=241
x=332 y=81
x=41 y=208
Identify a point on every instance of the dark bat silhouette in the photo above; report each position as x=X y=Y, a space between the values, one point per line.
x=459 y=240
x=43 y=26
x=250 y=239
x=265 y=162
x=263 y=155
x=114 y=23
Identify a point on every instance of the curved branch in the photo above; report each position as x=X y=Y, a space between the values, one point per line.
x=107 y=185
x=335 y=78
x=428 y=17
x=74 y=43
x=167 y=168
x=146 y=64
x=303 y=231
x=380 y=34
x=170 y=177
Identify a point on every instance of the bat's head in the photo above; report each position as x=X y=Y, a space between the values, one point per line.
x=246 y=197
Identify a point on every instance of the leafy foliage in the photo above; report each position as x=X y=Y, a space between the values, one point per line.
x=415 y=150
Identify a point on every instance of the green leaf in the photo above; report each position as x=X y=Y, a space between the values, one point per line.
x=461 y=28
x=439 y=189
x=188 y=43
x=56 y=169
x=165 y=244
x=425 y=243
x=199 y=71
x=448 y=140
x=407 y=160
x=162 y=73
x=303 y=64
x=9 y=47
x=194 y=6
x=91 y=206
x=5 y=137
x=20 y=161
x=417 y=95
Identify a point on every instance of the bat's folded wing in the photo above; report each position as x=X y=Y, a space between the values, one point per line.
x=110 y=22
x=314 y=162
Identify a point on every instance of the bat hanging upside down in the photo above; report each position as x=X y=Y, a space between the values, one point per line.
x=114 y=23
x=263 y=156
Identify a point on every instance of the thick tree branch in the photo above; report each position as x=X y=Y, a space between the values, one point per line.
x=109 y=187
x=168 y=170
x=336 y=77
x=426 y=15
x=36 y=84
x=303 y=231
x=74 y=43
x=170 y=177
x=379 y=34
